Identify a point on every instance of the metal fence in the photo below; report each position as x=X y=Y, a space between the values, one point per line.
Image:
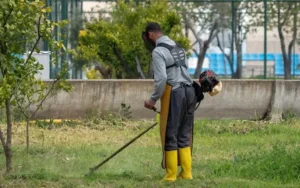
x=251 y=25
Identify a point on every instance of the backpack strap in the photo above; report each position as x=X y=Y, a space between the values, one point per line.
x=170 y=48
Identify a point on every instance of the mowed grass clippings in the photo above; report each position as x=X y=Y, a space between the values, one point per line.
x=225 y=154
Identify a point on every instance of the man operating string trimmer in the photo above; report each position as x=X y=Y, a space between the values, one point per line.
x=178 y=94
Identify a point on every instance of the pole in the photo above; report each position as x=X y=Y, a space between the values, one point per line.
x=265 y=39
x=233 y=33
x=294 y=58
x=93 y=169
x=64 y=32
x=295 y=31
x=56 y=38
x=46 y=42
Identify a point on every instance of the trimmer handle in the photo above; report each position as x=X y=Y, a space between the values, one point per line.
x=155 y=110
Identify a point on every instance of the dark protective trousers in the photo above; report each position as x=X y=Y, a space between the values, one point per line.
x=180 y=117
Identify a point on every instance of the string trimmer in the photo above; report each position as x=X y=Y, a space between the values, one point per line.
x=93 y=169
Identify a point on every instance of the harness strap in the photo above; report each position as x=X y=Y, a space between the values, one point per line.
x=170 y=48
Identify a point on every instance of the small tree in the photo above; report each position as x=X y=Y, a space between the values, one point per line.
x=200 y=19
x=22 y=25
x=285 y=17
x=117 y=41
x=30 y=94
x=244 y=16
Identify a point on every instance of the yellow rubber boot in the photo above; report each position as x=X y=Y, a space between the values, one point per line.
x=171 y=165
x=185 y=159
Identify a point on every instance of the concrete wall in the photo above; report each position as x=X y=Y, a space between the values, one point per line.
x=239 y=99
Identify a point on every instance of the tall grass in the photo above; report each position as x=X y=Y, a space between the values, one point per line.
x=225 y=154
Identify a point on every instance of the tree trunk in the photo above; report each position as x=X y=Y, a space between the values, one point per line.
x=239 y=69
x=214 y=32
x=122 y=61
x=139 y=68
x=286 y=61
x=201 y=57
x=225 y=69
x=150 y=71
x=27 y=134
x=119 y=74
x=291 y=45
x=228 y=57
x=238 y=44
x=234 y=75
x=287 y=69
x=74 y=72
x=275 y=110
x=7 y=148
x=105 y=72
x=186 y=29
x=200 y=61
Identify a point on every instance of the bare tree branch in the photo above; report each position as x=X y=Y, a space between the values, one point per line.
x=247 y=28
x=194 y=43
x=118 y=53
x=203 y=29
x=192 y=29
x=37 y=40
x=48 y=93
x=41 y=103
x=281 y=36
x=202 y=25
x=138 y=67
x=29 y=103
x=2 y=139
x=215 y=34
x=223 y=51
x=287 y=14
x=293 y=41
x=7 y=17
x=212 y=32
x=106 y=72
x=195 y=51
x=203 y=50
x=22 y=110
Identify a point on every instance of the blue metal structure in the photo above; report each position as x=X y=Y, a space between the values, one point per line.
x=216 y=63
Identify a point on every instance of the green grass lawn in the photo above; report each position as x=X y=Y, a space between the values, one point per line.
x=225 y=154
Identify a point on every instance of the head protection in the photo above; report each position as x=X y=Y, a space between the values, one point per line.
x=148 y=43
x=210 y=83
x=151 y=27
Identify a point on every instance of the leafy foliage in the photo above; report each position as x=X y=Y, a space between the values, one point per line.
x=93 y=74
x=125 y=111
x=23 y=24
x=117 y=42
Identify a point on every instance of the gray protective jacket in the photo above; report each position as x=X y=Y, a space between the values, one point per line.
x=174 y=76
